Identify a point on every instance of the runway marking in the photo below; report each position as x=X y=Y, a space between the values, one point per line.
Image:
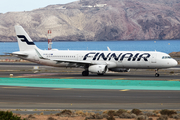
x=33 y=75
x=175 y=80
x=14 y=87
x=9 y=70
x=119 y=79
x=20 y=76
x=62 y=89
x=174 y=68
x=124 y=90
x=67 y=78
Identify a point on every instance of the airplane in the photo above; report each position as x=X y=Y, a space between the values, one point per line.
x=98 y=62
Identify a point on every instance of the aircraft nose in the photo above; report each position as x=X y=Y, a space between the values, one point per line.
x=174 y=63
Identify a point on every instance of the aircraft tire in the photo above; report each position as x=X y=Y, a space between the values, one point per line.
x=156 y=75
x=85 y=73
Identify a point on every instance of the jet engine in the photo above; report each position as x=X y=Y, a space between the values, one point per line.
x=99 y=69
x=120 y=69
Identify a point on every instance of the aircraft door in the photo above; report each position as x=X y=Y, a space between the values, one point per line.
x=153 y=59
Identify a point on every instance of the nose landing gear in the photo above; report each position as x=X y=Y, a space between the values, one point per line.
x=156 y=74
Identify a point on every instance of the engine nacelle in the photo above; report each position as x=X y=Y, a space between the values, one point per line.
x=120 y=69
x=99 y=69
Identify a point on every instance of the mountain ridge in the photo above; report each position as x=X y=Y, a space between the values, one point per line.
x=93 y=20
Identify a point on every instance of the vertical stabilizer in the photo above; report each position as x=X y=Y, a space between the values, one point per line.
x=24 y=41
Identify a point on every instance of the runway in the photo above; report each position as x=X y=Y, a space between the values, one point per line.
x=23 y=97
x=48 y=98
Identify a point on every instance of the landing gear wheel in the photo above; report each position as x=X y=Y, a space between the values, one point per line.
x=156 y=75
x=85 y=73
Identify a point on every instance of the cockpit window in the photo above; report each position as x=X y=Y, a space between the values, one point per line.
x=166 y=57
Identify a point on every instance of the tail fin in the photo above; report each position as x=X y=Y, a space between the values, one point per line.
x=24 y=41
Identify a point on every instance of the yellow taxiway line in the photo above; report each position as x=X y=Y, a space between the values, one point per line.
x=124 y=90
x=175 y=80
x=119 y=79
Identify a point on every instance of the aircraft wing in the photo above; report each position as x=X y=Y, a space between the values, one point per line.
x=72 y=61
x=62 y=60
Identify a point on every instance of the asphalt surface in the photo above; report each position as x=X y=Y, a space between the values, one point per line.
x=13 y=97
x=27 y=70
x=47 y=98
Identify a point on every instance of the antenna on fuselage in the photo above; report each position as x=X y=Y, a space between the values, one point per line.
x=108 y=48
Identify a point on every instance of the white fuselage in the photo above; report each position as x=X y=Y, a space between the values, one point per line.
x=113 y=59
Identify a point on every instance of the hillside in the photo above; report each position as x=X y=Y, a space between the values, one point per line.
x=97 y=20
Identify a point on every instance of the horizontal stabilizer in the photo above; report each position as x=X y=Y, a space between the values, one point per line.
x=19 y=54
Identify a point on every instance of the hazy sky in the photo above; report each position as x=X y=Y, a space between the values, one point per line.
x=27 y=5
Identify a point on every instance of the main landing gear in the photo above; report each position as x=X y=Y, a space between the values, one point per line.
x=85 y=73
x=156 y=74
